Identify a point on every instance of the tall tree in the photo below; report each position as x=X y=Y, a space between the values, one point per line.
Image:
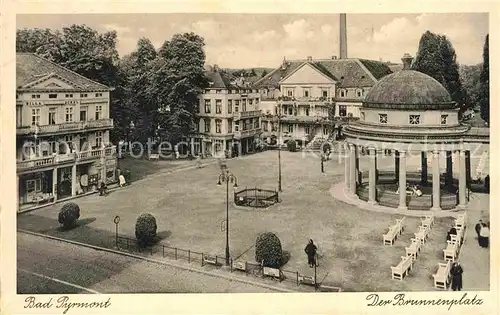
x=485 y=83
x=436 y=57
x=469 y=75
x=177 y=80
x=264 y=73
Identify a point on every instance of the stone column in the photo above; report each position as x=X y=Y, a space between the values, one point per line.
x=103 y=165
x=436 y=189
x=18 y=197
x=192 y=147
x=372 y=189
x=359 y=176
x=396 y=165
x=73 y=180
x=462 y=180
x=54 y=183
x=423 y=158
x=402 y=180
x=347 y=168
x=467 y=168
x=449 y=168
x=352 y=171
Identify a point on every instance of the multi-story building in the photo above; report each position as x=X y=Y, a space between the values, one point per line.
x=62 y=132
x=311 y=96
x=229 y=117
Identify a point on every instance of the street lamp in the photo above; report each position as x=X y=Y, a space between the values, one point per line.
x=279 y=146
x=227 y=177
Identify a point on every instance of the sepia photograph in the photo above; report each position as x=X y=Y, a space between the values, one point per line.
x=180 y=153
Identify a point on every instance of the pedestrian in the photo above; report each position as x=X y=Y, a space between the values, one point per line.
x=487 y=183
x=478 y=229
x=456 y=276
x=103 y=189
x=198 y=161
x=311 y=253
x=122 y=180
x=484 y=235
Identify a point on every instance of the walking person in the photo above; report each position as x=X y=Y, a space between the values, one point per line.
x=484 y=235
x=478 y=229
x=456 y=274
x=311 y=253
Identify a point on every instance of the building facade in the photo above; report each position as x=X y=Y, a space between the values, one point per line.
x=62 y=132
x=229 y=118
x=311 y=96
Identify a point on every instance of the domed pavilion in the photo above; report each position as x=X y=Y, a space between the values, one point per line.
x=409 y=113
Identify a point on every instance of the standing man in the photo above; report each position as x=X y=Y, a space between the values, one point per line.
x=456 y=273
x=311 y=253
x=478 y=230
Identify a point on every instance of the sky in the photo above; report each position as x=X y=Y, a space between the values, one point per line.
x=263 y=40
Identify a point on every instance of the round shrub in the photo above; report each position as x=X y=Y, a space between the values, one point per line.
x=68 y=215
x=291 y=145
x=268 y=250
x=145 y=229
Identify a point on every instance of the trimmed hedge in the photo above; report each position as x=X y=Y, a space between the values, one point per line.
x=291 y=145
x=268 y=250
x=68 y=215
x=145 y=229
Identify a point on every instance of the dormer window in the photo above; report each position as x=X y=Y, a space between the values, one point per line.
x=343 y=93
x=359 y=92
x=414 y=119
x=382 y=118
x=444 y=119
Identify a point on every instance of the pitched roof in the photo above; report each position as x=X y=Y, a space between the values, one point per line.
x=31 y=68
x=219 y=79
x=347 y=72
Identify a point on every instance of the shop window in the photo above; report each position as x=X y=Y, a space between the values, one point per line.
x=342 y=110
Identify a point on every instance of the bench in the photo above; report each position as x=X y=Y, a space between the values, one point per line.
x=306 y=280
x=240 y=265
x=274 y=273
x=451 y=251
x=414 y=249
x=460 y=234
x=154 y=157
x=442 y=276
x=391 y=235
x=428 y=221
x=460 y=220
x=211 y=260
x=400 y=223
x=422 y=234
x=403 y=268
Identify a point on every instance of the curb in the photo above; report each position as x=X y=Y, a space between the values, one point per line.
x=159 y=262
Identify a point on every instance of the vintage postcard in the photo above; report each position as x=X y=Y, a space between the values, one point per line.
x=167 y=157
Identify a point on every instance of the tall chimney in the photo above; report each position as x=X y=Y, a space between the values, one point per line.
x=343 y=36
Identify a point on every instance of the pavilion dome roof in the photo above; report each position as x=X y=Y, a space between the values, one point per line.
x=408 y=89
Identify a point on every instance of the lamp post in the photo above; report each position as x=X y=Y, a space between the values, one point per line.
x=279 y=146
x=227 y=177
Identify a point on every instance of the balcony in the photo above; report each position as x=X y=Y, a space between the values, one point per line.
x=65 y=127
x=47 y=161
x=247 y=114
x=246 y=133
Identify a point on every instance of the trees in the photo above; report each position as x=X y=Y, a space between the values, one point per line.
x=436 y=57
x=484 y=79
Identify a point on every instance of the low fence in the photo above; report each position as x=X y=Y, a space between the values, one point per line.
x=256 y=197
x=248 y=268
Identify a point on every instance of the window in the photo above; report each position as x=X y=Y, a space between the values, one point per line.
x=52 y=95
x=237 y=126
x=207 y=125
x=250 y=101
x=236 y=106
x=98 y=112
x=256 y=123
x=83 y=144
x=208 y=105
x=35 y=95
x=218 y=126
x=382 y=118
x=257 y=101
x=98 y=139
x=243 y=105
x=414 y=119
x=98 y=94
x=83 y=95
x=69 y=114
x=218 y=106
x=306 y=92
x=290 y=93
x=325 y=93
x=34 y=185
x=265 y=126
x=307 y=111
x=342 y=93
x=290 y=128
x=69 y=95
x=229 y=106
x=230 y=126
x=69 y=142
x=359 y=93
x=52 y=115
x=342 y=110
x=444 y=119
x=83 y=114
x=290 y=111
x=197 y=126
x=307 y=130
x=35 y=116
x=325 y=130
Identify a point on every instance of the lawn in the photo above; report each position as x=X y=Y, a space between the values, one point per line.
x=189 y=208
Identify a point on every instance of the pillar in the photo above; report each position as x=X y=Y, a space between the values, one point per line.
x=347 y=168
x=17 y=193
x=402 y=180
x=352 y=170
x=103 y=165
x=240 y=143
x=192 y=147
x=202 y=148
x=359 y=176
x=449 y=168
x=436 y=190
x=54 y=183
x=423 y=160
x=73 y=180
x=224 y=145
x=462 y=180
x=396 y=165
x=467 y=168
x=372 y=187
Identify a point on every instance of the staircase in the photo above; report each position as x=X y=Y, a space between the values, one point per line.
x=483 y=167
x=315 y=143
